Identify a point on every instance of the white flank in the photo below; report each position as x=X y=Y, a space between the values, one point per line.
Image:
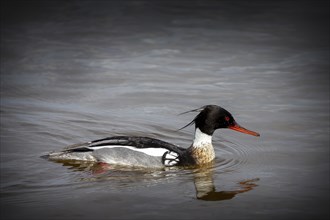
x=155 y=152
x=201 y=139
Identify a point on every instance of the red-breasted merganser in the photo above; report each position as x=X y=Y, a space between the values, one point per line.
x=150 y=152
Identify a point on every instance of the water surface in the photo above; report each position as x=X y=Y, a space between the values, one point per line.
x=77 y=71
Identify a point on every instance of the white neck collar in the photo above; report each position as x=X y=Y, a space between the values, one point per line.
x=201 y=139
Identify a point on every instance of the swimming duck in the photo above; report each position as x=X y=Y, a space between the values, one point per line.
x=151 y=152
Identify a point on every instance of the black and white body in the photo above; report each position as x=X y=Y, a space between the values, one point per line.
x=150 y=152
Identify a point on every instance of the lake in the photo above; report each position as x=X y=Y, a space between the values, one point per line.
x=75 y=71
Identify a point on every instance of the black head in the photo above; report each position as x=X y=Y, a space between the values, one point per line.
x=212 y=117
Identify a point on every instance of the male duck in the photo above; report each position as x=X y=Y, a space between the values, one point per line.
x=150 y=152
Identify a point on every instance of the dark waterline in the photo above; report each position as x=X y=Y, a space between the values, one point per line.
x=74 y=71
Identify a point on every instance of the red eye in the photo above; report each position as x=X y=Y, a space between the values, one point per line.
x=227 y=118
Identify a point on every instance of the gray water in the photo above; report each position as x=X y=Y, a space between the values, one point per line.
x=77 y=71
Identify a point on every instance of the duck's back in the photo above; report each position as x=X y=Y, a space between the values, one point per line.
x=124 y=150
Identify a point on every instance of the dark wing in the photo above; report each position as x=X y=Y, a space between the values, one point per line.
x=138 y=142
x=174 y=156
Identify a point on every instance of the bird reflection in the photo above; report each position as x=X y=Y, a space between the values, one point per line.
x=205 y=189
x=202 y=176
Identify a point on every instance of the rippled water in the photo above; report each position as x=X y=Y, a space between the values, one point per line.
x=82 y=70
